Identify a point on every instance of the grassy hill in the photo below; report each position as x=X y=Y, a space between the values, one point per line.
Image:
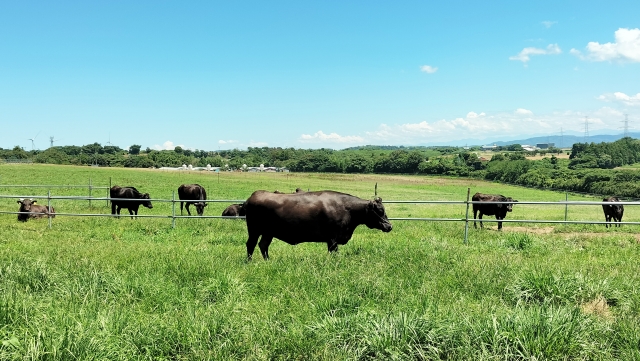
x=104 y=288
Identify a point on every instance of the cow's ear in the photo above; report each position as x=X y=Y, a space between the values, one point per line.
x=378 y=200
x=370 y=205
x=33 y=201
x=20 y=201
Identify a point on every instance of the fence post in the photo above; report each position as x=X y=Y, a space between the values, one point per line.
x=90 y=192
x=466 y=219
x=173 y=210
x=109 y=192
x=49 y=207
x=566 y=206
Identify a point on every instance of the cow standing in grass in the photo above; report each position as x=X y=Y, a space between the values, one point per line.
x=191 y=194
x=134 y=199
x=612 y=211
x=324 y=216
x=33 y=210
x=498 y=209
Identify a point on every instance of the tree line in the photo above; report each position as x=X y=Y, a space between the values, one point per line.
x=588 y=169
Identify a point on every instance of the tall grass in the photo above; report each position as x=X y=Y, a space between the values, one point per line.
x=122 y=289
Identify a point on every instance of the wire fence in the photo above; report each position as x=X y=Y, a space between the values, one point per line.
x=466 y=203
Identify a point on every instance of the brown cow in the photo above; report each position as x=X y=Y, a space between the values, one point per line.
x=612 y=211
x=34 y=210
x=234 y=210
x=324 y=216
x=134 y=200
x=497 y=209
x=189 y=194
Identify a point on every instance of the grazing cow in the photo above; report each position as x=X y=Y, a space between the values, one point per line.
x=136 y=199
x=35 y=210
x=614 y=211
x=497 y=209
x=323 y=216
x=234 y=210
x=191 y=193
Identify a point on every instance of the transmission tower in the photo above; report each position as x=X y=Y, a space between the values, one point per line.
x=586 y=129
x=626 y=125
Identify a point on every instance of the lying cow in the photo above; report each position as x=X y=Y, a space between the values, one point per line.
x=498 y=209
x=34 y=210
x=190 y=194
x=132 y=203
x=234 y=210
x=614 y=211
x=323 y=216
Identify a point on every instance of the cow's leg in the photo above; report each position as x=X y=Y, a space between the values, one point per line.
x=332 y=246
x=475 y=211
x=187 y=206
x=113 y=208
x=499 y=223
x=607 y=218
x=181 y=204
x=251 y=244
x=118 y=211
x=131 y=212
x=480 y=218
x=265 y=241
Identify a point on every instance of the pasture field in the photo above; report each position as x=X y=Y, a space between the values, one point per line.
x=97 y=288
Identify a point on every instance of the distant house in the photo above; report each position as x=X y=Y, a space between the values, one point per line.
x=489 y=147
x=545 y=145
x=529 y=148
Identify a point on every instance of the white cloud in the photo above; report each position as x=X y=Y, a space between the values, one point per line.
x=525 y=55
x=255 y=144
x=320 y=136
x=222 y=142
x=620 y=97
x=168 y=145
x=520 y=123
x=547 y=24
x=522 y=111
x=429 y=69
x=625 y=48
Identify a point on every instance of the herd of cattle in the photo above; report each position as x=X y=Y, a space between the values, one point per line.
x=324 y=216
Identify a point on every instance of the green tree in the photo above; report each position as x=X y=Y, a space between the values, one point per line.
x=135 y=149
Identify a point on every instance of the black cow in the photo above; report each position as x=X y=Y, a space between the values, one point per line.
x=234 y=210
x=614 y=211
x=190 y=193
x=132 y=205
x=35 y=210
x=323 y=216
x=497 y=209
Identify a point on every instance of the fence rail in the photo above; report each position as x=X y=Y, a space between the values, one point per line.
x=173 y=215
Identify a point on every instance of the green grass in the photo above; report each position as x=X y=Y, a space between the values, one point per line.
x=121 y=289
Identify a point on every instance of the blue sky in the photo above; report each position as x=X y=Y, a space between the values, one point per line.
x=221 y=75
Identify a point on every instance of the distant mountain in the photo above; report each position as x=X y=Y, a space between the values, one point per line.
x=565 y=141
x=568 y=140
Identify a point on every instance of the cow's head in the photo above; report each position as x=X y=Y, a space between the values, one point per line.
x=25 y=204
x=376 y=216
x=613 y=208
x=200 y=207
x=146 y=203
x=510 y=205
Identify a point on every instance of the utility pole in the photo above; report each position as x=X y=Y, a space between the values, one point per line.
x=586 y=128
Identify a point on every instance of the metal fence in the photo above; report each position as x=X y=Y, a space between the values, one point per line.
x=468 y=203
